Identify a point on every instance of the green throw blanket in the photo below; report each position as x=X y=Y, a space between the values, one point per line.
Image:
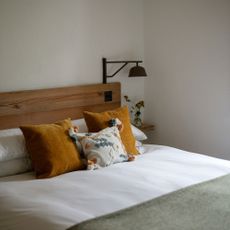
x=204 y=206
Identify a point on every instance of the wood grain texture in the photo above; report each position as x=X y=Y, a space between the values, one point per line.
x=49 y=105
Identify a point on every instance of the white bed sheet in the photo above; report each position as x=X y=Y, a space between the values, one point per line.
x=60 y=202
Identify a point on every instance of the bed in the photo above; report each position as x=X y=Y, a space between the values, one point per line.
x=61 y=202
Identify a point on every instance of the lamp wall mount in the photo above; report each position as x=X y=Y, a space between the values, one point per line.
x=124 y=63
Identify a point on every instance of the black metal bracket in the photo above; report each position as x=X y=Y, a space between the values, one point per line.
x=104 y=67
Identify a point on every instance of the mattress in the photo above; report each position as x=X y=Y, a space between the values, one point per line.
x=63 y=201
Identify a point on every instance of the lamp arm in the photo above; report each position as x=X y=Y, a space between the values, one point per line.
x=105 y=62
x=118 y=70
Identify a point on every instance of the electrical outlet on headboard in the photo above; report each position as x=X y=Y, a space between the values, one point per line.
x=108 y=96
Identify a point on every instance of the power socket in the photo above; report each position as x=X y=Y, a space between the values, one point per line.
x=108 y=96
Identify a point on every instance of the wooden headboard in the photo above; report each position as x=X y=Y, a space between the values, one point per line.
x=49 y=105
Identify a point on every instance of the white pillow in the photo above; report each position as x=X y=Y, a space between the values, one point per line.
x=138 y=134
x=16 y=166
x=10 y=132
x=13 y=154
x=103 y=148
x=80 y=123
x=12 y=145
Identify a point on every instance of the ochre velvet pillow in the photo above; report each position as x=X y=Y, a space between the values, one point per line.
x=51 y=149
x=98 y=121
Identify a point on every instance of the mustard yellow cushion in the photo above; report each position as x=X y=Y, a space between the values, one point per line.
x=51 y=149
x=98 y=121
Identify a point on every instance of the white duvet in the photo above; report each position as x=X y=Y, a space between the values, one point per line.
x=60 y=202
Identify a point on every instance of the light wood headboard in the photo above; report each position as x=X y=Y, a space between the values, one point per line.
x=49 y=105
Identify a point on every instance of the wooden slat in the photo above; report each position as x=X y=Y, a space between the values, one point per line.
x=49 y=105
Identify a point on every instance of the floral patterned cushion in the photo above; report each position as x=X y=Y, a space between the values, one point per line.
x=101 y=149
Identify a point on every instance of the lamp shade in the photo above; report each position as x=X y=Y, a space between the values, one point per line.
x=137 y=71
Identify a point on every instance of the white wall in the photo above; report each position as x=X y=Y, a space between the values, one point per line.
x=51 y=43
x=187 y=54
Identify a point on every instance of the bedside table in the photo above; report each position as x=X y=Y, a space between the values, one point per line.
x=146 y=127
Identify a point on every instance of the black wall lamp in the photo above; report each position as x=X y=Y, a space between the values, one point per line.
x=136 y=71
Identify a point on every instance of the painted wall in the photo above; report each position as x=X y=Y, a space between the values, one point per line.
x=187 y=54
x=51 y=43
